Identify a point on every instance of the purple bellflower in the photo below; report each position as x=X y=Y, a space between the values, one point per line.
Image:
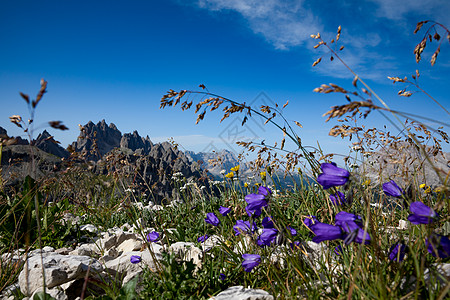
x=255 y=203
x=326 y=232
x=153 y=236
x=421 y=214
x=224 y=211
x=267 y=237
x=338 y=199
x=392 y=189
x=352 y=225
x=332 y=175
x=134 y=259
x=310 y=220
x=202 y=238
x=212 y=219
x=262 y=190
x=267 y=222
x=438 y=245
x=244 y=227
x=292 y=230
x=397 y=252
x=250 y=261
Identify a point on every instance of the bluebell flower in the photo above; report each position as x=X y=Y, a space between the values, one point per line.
x=153 y=236
x=267 y=237
x=338 y=199
x=438 y=245
x=332 y=175
x=244 y=227
x=250 y=261
x=202 y=238
x=397 y=252
x=326 y=232
x=353 y=226
x=212 y=219
x=262 y=190
x=310 y=220
x=267 y=222
x=224 y=211
x=392 y=189
x=292 y=230
x=134 y=259
x=222 y=276
x=421 y=214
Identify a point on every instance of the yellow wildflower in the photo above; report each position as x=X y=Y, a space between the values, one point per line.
x=428 y=190
x=246 y=184
x=422 y=186
x=367 y=182
x=263 y=175
x=229 y=175
x=235 y=169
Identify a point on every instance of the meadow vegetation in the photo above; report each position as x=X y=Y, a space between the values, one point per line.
x=338 y=234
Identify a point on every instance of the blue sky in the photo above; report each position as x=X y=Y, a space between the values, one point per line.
x=114 y=60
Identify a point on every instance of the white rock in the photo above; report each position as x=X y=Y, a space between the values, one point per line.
x=241 y=293
x=58 y=269
x=187 y=251
x=86 y=250
x=130 y=245
x=402 y=225
x=123 y=267
x=89 y=227
x=211 y=242
x=56 y=292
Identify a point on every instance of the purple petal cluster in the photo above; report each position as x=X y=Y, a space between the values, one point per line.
x=438 y=245
x=212 y=219
x=153 y=236
x=267 y=222
x=134 y=259
x=244 y=227
x=326 y=232
x=310 y=220
x=348 y=228
x=338 y=199
x=353 y=226
x=202 y=238
x=332 y=176
x=292 y=230
x=392 y=189
x=250 y=261
x=267 y=236
x=224 y=211
x=397 y=252
x=421 y=214
x=257 y=201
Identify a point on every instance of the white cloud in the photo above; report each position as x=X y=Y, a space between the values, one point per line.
x=397 y=10
x=283 y=23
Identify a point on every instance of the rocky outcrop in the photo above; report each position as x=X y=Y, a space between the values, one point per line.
x=18 y=161
x=151 y=174
x=46 y=143
x=406 y=165
x=136 y=143
x=95 y=140
x=215 y=162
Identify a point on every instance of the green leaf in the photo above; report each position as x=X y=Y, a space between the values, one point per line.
x=42 y=296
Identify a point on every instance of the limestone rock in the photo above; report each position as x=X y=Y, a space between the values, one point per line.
x=241 y=293
x=58 y=269
x=187 y=251
x=46 y=143
x=137 y=143
x=123 y=267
